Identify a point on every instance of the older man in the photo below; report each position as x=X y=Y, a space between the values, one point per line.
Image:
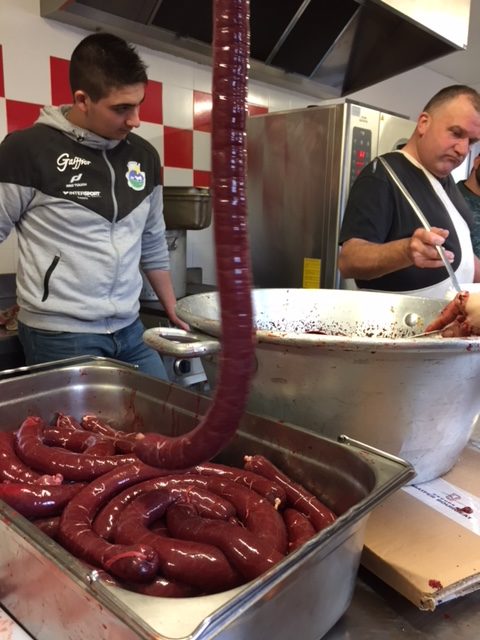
x=383 y=243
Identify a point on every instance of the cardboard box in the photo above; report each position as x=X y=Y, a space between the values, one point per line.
x=424 y=540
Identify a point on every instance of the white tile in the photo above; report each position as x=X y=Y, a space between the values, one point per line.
x=202 y=145
x=202 y=79
x=177 y=177
x=154 y=134
x=177 y=107
x=31 y=82
x=168 y=69
x=258 y=97
x=26 y=51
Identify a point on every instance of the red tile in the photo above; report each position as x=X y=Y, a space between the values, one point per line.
x=59 y=81
x=178 y=148
x=151 y=109
x=202 y=111
x=202 y=178
x=2 y=85
x=256 y=110
x=21 y=114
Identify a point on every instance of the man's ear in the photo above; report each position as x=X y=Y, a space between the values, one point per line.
x=80 y=100
x=423 y=122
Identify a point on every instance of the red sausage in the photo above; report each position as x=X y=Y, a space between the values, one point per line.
x=201 y=565
x=249 y=555
x=35 y=501
x=135 y=563
x=12 y=469
x=73 y=466
x=76 y=441
x=229 y=202
x=164 y=588
x=297 y=496
x=49 y=526
x=299 y=528
x=102 y=448
x=158 y=587
x=67 y=423
x=122 y=439
x=269 y=490
x=80 y=441
x=256 y=513
x=209 y=505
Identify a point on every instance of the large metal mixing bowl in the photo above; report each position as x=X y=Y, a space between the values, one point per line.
x=370 y=378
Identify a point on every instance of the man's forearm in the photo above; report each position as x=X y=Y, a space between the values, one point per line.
x=364 y=260
x=476 y=275
x=161 y=282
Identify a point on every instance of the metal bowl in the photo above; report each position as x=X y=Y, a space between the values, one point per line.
x=366 y=375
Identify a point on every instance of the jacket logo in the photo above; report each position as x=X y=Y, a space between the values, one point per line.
x=76 y=178
x=135 y=177
x=64 y=161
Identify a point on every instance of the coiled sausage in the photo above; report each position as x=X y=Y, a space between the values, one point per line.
x=236 y=362
x=73 y=466
x=201 y=565
x=298 y=497
x=135 y=563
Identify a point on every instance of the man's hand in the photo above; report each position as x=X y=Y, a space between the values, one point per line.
x=422 y=248
x=174 y=319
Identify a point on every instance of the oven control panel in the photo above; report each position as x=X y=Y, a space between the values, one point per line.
x=361 y=151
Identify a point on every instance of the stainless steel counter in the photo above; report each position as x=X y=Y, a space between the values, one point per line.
x=378 y=612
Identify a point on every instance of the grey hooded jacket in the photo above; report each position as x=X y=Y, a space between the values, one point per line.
x=88 y=212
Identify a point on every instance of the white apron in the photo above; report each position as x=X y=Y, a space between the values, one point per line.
x=466 y=269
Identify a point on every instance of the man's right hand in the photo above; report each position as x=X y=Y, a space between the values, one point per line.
x=422 y=248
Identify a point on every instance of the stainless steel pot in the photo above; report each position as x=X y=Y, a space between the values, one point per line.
x=368 y=377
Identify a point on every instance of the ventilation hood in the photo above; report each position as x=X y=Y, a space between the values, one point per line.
x=324 y=48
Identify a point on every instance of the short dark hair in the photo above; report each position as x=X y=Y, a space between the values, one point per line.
x=103 y=61
x=449 y=93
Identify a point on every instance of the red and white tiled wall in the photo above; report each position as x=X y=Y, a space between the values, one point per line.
x=176 y=114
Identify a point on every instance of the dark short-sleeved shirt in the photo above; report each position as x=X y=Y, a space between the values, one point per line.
x=473 y=202
x=378 y=212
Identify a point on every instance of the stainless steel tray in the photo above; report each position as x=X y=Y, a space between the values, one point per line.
x=55 y=596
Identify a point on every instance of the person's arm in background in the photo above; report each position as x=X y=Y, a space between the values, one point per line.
x=476 y=275
x=365 y=260
x=161 y=282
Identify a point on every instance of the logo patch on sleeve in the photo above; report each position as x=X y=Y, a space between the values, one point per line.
x=135 y=177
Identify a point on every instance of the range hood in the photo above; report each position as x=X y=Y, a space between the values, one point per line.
x=324 y=48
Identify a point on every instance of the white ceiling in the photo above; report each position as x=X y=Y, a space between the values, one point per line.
x=463 y=66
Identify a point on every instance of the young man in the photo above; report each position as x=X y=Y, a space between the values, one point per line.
x=383 y=244
x=84 y=194
x=470 y=190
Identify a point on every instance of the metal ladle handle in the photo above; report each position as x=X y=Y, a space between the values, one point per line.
x=423 y=220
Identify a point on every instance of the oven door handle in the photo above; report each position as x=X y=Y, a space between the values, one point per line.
x=179 y=343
